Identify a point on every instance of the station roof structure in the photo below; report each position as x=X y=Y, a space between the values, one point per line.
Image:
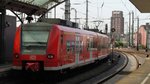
x=142 y=5
x=31 y=7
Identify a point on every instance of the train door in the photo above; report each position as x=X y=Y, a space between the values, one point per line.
x=62 y=48
x=77 y=49
x=91 y=47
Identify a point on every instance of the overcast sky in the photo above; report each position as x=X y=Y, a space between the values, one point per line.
x=102 y=10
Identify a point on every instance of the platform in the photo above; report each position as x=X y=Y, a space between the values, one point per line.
x=5 y=67
x=140 y=76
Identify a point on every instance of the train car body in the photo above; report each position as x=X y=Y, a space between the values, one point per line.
x=50 y=47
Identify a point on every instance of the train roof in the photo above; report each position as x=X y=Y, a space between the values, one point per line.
x=80 y=31
x=47 y=26
x=37 y=26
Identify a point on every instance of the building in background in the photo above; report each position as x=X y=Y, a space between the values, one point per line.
x=141 y=36
x=117 y=22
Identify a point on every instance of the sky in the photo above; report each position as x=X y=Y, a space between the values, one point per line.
x=102 y=10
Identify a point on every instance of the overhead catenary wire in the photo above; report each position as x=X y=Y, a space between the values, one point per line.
x=125 y=6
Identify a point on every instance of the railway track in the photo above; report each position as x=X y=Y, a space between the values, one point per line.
x=134 y=62
x=119 y=63
x=4 y=70
x=133 y=51
x=91 y=74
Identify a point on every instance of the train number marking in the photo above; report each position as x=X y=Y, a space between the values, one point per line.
x=32 y=57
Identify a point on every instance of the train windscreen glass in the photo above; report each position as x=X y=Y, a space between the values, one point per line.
x=34 y=39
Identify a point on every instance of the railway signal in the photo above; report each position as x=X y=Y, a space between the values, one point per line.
x=112 y=42
x=113 y=30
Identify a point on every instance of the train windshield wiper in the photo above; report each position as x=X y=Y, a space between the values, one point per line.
x=34 y=45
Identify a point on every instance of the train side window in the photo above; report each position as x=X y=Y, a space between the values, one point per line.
x=88 y=44
x=91 y=43
x=95 y=44
x=77 y=46
x=99 y=45
x=72 y=46
x=68 y=46
x=81 y=46
x=61 y=39
x=68 y=49
x=105 y=44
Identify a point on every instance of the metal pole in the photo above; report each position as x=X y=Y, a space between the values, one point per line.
x=55 y=12
x=147 y=29
x=129 y=28
x=112 y=47
x=137 y=33
x=2 y=30
x=75 y=14
x=112 y=39
x=86 y=25
x=132 y=27
x=67 y=10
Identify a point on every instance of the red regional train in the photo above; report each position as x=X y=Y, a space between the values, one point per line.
x=42 y=46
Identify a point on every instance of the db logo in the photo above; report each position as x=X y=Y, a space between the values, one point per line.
x=32 y=57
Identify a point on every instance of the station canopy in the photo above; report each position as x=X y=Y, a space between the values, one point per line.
x=142 y=5
x=32 y=7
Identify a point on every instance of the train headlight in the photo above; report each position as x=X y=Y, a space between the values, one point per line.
x=50 y=56
x=16 y=55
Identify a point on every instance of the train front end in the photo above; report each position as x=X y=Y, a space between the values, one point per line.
x=30 y=47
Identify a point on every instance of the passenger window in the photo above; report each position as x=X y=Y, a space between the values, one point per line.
x=81 y=46
x=61 y=38
x=70 y=46
x=68 y=49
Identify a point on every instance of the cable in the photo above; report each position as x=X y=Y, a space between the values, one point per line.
x=85 y=14
x=125 y=6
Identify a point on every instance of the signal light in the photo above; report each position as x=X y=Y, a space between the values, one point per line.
x=113 y=29
x=50 y=56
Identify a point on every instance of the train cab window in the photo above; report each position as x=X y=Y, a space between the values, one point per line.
x=34 y=38
x=32 y=42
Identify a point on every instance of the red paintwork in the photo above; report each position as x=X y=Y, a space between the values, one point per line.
x=59 y=50
x=17 y=41
x=16 y=49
